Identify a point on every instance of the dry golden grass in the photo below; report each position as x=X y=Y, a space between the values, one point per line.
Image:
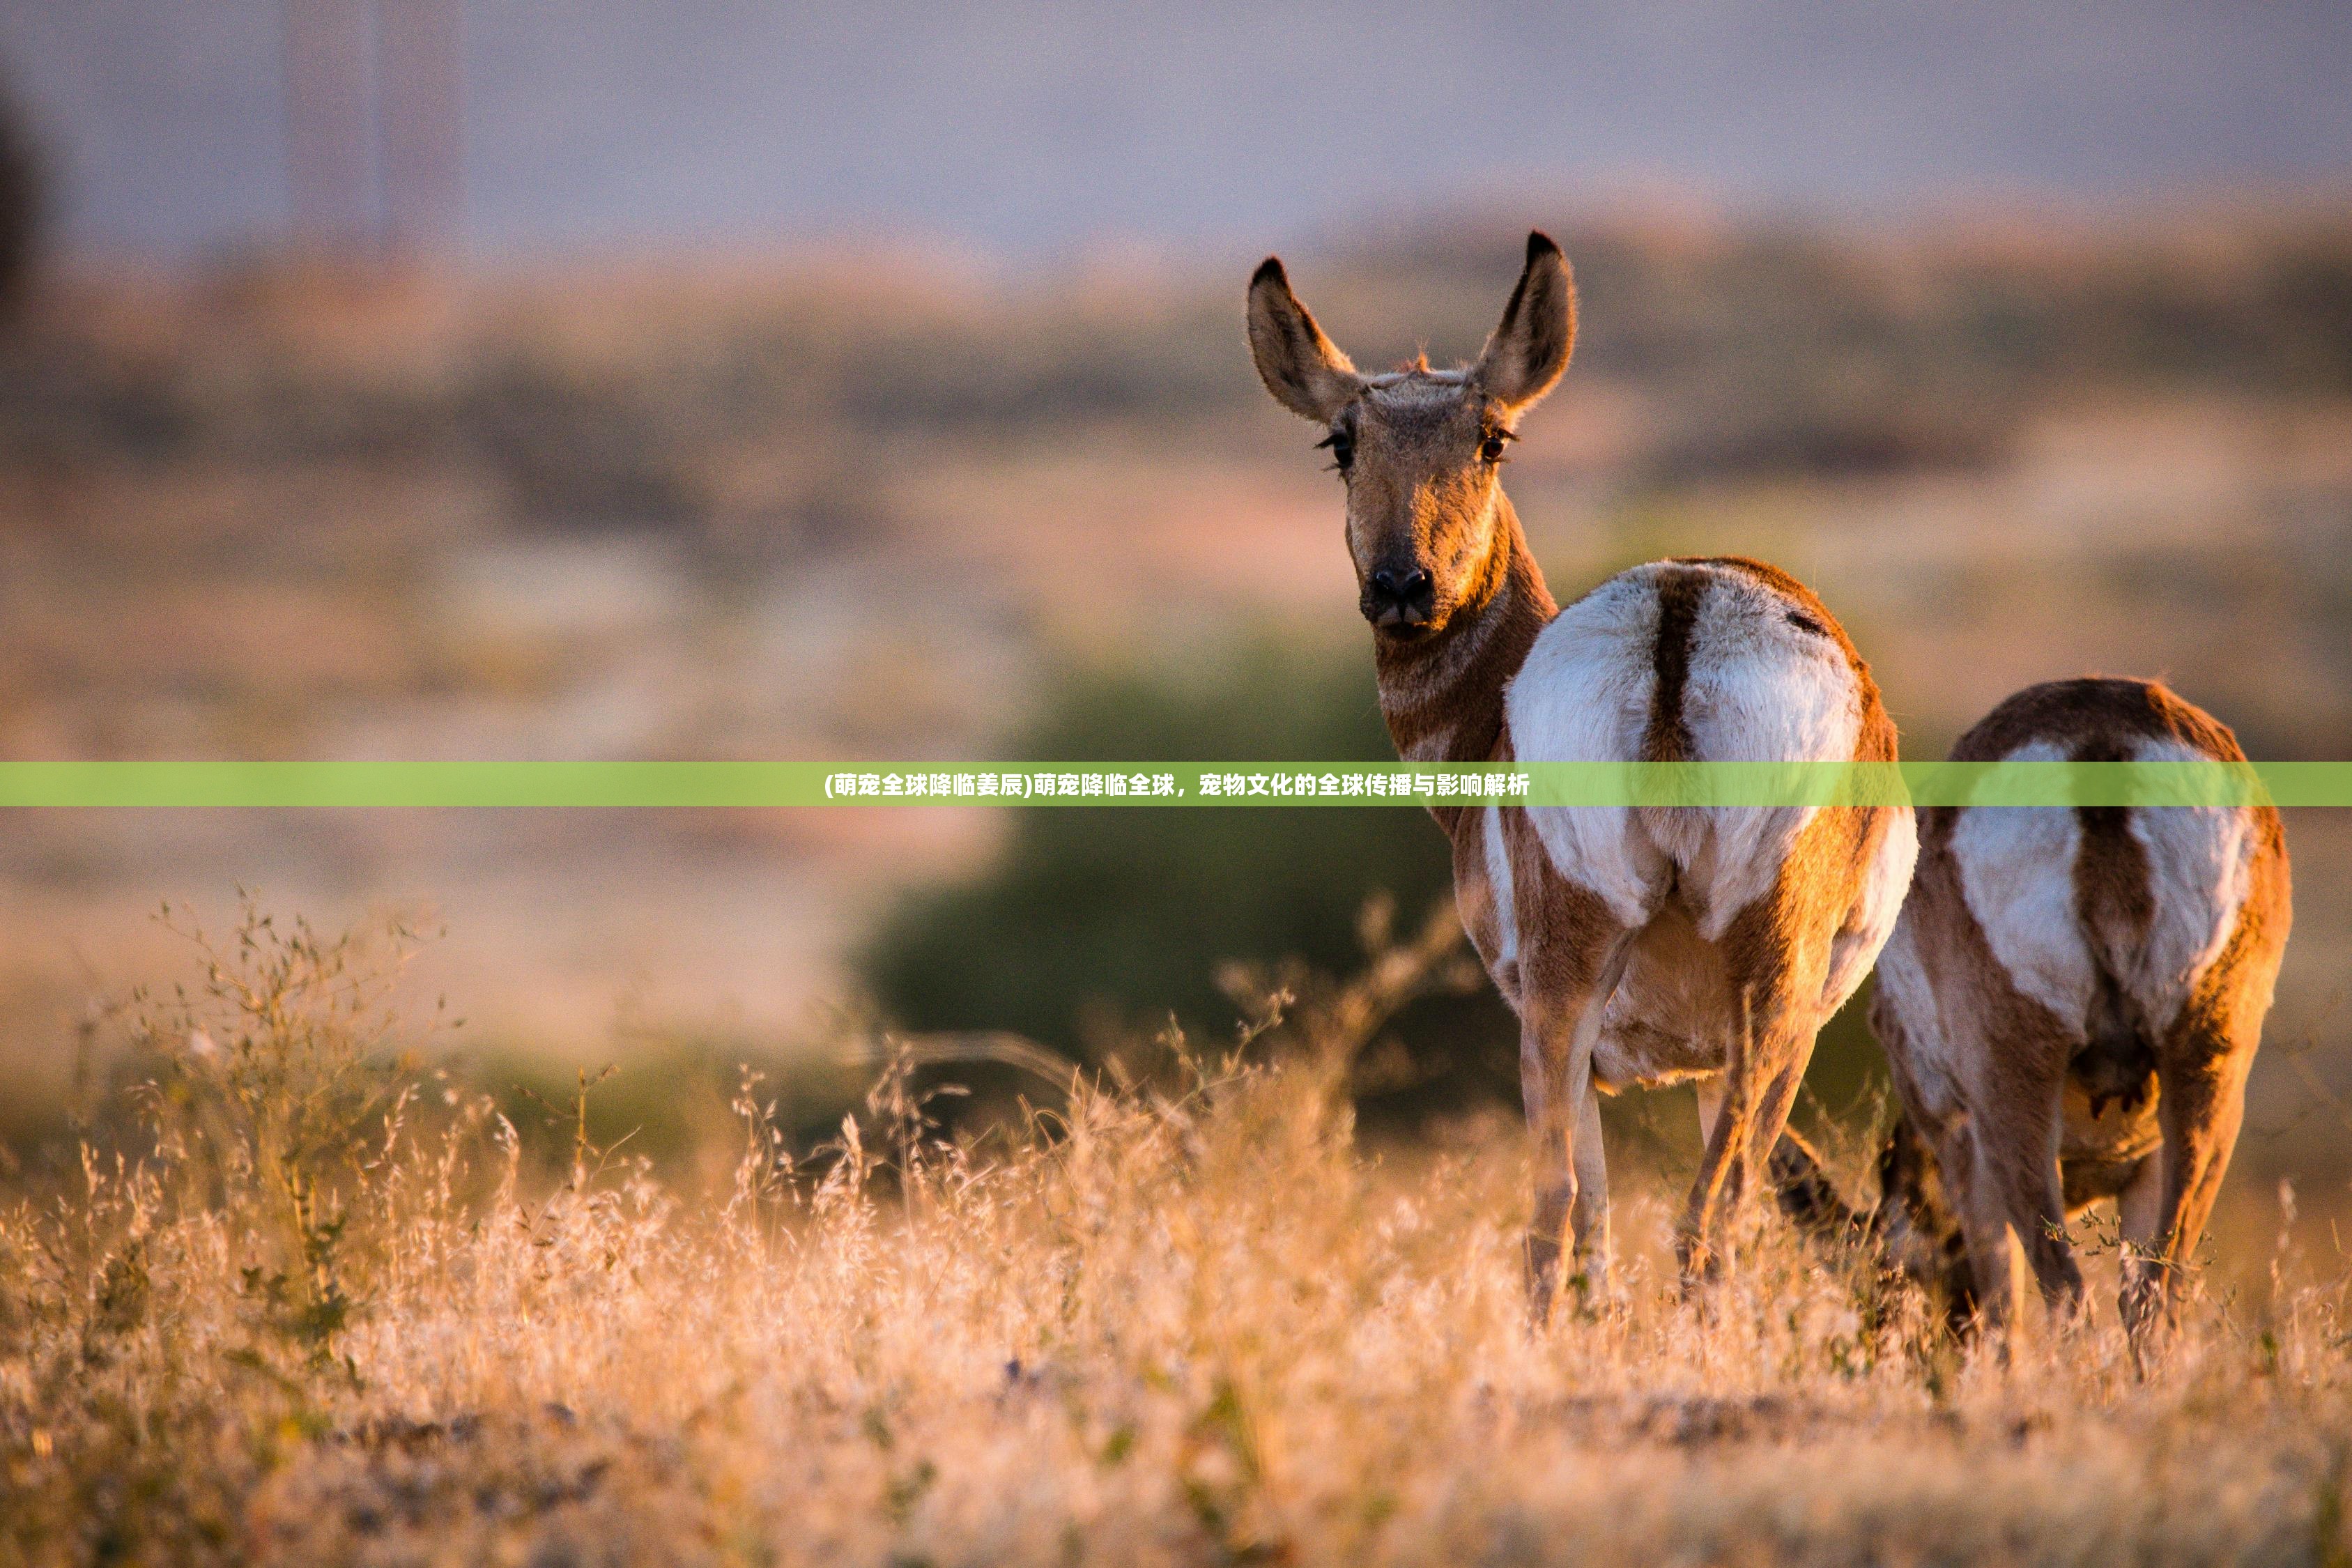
x=313 y=1309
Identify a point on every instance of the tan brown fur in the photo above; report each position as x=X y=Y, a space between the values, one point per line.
x=1419 y=449
x=2059 y=1113
x=1441 y=696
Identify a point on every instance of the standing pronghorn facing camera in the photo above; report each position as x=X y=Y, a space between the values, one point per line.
x=1637 y=945
x=2070 y=1005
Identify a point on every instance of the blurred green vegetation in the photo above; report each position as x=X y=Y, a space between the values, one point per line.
x=1093 y=927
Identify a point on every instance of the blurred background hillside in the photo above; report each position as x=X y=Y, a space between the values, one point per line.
x=441 y=380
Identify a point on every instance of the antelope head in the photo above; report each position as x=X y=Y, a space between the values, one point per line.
x=1420 y=450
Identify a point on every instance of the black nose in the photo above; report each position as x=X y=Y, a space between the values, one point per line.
x=1400 y=598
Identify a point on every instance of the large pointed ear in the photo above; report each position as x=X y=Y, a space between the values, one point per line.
x=1298 y=365
x=1530 y=349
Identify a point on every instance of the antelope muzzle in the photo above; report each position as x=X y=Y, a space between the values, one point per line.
x=1400 y=599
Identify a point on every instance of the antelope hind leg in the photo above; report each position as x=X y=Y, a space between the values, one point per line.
x=2201 y=1107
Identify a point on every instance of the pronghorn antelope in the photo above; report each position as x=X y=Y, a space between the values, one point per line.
x=1637 y=945
x=2070 y=1004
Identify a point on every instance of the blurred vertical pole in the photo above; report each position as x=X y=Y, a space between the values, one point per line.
x=420 y=72
x=328 y=162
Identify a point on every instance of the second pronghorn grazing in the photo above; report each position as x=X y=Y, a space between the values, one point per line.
x=2070 y=1005
x=1637 y=945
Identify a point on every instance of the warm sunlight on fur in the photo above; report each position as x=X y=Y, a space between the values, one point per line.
x=297 y=1305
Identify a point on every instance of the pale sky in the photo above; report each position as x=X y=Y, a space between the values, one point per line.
x=1019 y=128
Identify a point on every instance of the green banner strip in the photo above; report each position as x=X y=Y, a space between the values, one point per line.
x=805 y=784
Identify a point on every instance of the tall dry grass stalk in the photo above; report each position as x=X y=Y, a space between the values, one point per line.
x=325 y=1313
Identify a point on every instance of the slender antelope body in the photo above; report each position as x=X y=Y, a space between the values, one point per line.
x=2071 y=1003
x=1637 y=945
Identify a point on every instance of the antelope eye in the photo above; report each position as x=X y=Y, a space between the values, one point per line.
x=1342 y=448
x=1490 y=451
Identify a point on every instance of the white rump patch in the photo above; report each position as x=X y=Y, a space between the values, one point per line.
x=1583 y=696
x=2199 y=859
x=1758 y=689
x=2017 y=872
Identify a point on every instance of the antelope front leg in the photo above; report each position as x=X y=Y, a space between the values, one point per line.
x=1557 y=1030
x=1551 y=1083
x=1588 y=1217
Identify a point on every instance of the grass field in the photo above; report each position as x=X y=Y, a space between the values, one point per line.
x=303 y=1299
x=287 y=1276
